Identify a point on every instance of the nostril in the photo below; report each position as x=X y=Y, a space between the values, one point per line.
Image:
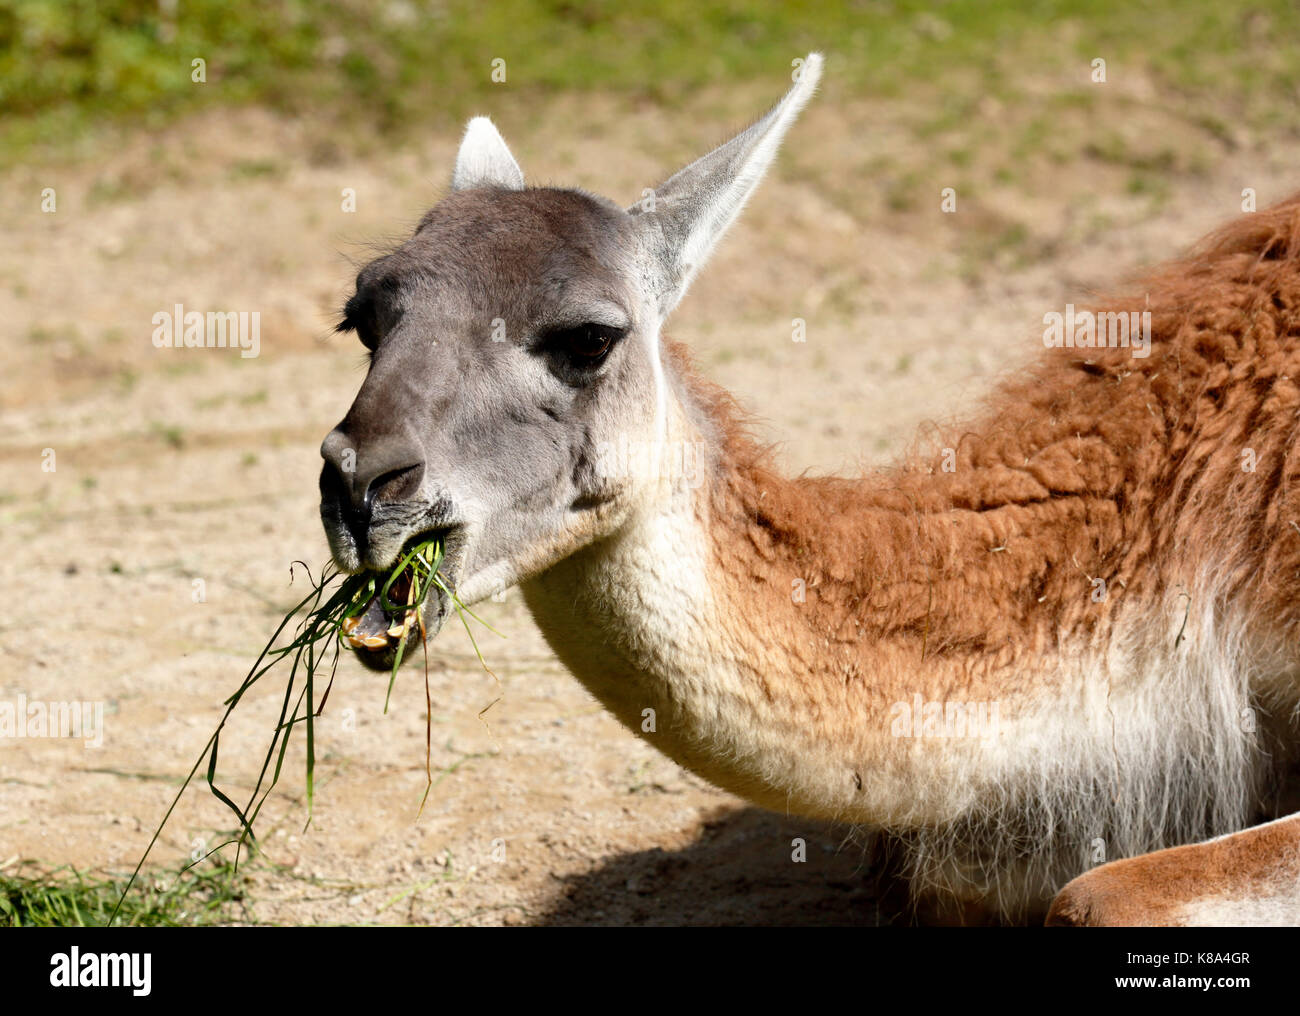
x=375 y=469
x=401 y=484
x=339 y=508
x=338 y=479
x=332 y=487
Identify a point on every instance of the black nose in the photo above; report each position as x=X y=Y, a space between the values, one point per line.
x=360 y=474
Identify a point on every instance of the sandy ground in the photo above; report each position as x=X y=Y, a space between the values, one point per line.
x=177 y=466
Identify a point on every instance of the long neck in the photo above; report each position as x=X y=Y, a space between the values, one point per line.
x=809 y=644
x=763 y=631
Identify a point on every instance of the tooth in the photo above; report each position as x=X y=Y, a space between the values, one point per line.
x=355 y=642
x=398 y=630
x=349 y=624
x=375 y=642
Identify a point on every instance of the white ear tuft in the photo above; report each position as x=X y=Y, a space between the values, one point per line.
x=484 y=160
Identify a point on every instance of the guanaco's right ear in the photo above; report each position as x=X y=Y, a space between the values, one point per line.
x=484 y=160
x=682 y=220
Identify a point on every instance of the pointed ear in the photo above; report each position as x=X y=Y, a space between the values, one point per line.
x=484 y=160
x=682 y=220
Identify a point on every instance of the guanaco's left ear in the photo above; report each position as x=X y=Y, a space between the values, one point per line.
x=681 y=221
x=484 y=160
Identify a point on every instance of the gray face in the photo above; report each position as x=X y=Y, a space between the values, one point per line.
x=514 y=341
x=504 y=349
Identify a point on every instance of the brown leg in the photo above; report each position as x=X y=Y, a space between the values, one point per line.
x=1248 y=878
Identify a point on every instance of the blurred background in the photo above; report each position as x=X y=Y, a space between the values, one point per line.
x=250 y=156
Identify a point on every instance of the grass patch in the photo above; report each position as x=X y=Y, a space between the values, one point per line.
x=68 y=64
x=35 y=896
x=169 y=434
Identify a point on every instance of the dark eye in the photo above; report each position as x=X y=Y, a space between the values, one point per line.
x=359 y=317
x=584 y=345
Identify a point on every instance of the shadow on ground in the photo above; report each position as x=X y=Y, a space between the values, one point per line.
x=739 y=871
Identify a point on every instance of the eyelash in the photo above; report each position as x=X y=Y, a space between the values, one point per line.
x=353 y=322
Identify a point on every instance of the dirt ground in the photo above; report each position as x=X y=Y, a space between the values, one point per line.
x=177 y=466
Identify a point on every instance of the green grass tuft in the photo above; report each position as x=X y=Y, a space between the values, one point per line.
x=66 y=65
x=34 y=896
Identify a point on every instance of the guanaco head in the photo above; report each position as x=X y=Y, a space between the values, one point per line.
x=515 y=360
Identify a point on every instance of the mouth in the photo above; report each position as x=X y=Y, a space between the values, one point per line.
x=391 y=612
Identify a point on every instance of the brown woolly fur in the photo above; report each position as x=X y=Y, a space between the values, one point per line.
x=1098 y=495
x=1091 y=464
